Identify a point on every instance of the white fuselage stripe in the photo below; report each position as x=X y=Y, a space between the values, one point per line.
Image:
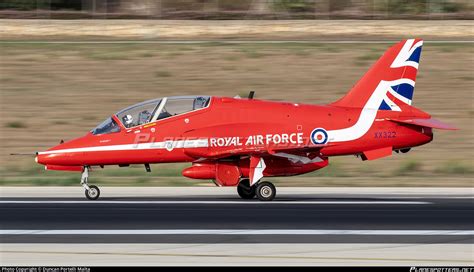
x=142 y=146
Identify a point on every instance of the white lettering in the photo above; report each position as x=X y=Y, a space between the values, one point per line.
x=249 y=141
x=220 y=142
x=213 y=142
x=276 y=138
x=268 y=138
x=259 y=140
x=300 y=138
x=292 y=138
x=284 y=138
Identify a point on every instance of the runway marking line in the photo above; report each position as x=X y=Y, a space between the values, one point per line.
x=375 y=202
x=235 y=232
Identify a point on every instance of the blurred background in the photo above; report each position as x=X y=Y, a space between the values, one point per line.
x=242 y=9
x=67 y=65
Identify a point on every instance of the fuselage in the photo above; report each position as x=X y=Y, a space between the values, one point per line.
x=239 y=142
x=234 y=125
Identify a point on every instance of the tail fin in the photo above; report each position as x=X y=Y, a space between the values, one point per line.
x=390 y=82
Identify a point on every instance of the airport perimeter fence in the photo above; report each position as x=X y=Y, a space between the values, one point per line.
x=238 y=9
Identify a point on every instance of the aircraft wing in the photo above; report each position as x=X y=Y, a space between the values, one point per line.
x=257 y=151
x=223 y=153
x=303 y=149
x=430 y=122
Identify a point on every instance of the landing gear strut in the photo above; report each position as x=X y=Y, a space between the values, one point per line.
x=92 y=192
x=245 y=190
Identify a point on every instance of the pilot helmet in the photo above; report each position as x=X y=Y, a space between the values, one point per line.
x=127 y=119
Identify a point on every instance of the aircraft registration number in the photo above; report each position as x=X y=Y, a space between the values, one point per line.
x=385 y=134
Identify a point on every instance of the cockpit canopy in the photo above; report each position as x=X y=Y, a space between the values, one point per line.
x=106 y=127
x=151 y=111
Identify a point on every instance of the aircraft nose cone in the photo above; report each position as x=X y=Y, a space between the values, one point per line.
x=42 y=159
x=53 y=156
x=58 y=157
x=65 y=154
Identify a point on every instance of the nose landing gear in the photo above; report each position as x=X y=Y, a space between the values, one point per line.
x=92 y=192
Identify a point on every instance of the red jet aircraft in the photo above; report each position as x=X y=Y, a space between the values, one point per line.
x=239 y=142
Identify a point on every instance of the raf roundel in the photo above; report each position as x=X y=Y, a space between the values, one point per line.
x=319 y=136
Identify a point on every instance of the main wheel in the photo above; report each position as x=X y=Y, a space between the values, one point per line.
x=266 y=191
x=244 y=189
x=93 y=193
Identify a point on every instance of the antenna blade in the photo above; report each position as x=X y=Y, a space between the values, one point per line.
x=251 y=94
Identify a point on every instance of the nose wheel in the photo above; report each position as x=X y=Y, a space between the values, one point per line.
x=92 y=192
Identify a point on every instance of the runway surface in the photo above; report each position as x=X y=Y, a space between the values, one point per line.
x=216 y=217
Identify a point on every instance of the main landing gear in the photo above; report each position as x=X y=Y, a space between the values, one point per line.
x=92 y=192
x=244 y=189
x=265 y=191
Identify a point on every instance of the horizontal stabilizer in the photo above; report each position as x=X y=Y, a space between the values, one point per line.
x=431 y=123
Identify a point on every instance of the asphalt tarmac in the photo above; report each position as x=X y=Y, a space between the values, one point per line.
x=224 y=218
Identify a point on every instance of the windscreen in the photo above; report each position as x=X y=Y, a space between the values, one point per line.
x=106 y=127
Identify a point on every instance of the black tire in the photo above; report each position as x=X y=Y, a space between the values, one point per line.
x=93 y=193
x=244 y=189
x=266 y=191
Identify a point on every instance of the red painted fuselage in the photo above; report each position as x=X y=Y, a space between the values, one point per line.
x=230 y=139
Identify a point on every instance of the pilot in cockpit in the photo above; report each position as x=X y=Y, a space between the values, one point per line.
x=127 y=120
x=144 y=117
